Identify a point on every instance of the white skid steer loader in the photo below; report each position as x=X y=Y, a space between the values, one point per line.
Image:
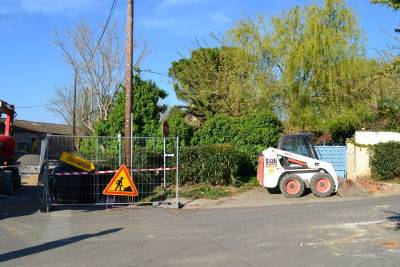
x=294 y=166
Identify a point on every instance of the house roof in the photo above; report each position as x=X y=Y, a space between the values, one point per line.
x=324 y=138
x=40 y=127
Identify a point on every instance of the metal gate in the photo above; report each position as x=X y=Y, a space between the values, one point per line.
x=154 y=170
x=336 y=155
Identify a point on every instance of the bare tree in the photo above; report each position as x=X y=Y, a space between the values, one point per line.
x=100 y=70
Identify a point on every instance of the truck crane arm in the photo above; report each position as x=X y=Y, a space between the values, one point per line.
x=9 y=110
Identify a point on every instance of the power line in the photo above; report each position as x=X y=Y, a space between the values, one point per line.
x=114 y=4
x=36 y=106
x=153 y=72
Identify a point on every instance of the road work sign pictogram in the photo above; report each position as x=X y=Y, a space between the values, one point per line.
x=121 y=184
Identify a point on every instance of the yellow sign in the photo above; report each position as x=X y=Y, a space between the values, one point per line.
x=77 y=162
x=121 y=184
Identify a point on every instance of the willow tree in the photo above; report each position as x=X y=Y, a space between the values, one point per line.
x=311 y=53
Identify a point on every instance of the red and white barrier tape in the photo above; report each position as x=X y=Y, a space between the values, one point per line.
x=112 y=171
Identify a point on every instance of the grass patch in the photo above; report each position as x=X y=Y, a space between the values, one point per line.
x=203 y=191
x=206 y=191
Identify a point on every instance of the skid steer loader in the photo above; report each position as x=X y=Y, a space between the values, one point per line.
x=294 y=166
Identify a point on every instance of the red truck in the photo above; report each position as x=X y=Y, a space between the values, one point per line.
x=10 y=178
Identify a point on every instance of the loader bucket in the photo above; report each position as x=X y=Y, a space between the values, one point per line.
x=260 y=170
x=348 y=188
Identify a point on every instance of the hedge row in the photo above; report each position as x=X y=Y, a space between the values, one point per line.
x=250 y=134
x=212 y=164
x=385 y=161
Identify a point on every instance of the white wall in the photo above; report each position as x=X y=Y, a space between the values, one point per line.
x=358 y=157
x=372 y=138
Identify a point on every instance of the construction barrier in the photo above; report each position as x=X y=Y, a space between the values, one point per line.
x=75 y=170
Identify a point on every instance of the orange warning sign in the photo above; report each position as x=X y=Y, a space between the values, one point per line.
x=121 y=184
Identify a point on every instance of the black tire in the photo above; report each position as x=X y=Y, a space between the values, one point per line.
x=298 y=186
x=6 y=183
x=17 y=179
x=322 y=188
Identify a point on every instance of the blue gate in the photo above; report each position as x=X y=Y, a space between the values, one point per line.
x=336 y=155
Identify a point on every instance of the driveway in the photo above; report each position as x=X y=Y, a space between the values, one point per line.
x=349 y=232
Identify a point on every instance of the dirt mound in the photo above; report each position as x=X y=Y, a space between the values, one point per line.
x=348 y=188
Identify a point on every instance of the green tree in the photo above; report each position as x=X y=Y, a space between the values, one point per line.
x=146 y=111
x=179 y=127
x=312 y=51
x=217 y=80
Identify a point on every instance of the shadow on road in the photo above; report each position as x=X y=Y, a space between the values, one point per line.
x=394 y=218
x=52 y=245
x=23 y=202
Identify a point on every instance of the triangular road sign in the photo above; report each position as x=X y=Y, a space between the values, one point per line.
x=121 y=184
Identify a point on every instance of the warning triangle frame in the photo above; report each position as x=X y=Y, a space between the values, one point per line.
x=122 y=169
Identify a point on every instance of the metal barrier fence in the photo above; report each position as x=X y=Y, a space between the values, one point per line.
x=336 y=155
x=154 y=170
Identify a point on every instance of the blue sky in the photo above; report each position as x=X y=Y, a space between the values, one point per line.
x=31 y=66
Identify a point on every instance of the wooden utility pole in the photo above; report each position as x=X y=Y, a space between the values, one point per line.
x=74 y=107
x=128 y=82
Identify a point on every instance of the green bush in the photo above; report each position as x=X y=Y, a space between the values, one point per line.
x=178 y=127
x=385 y=161
x=250 y=133
x=211 y=164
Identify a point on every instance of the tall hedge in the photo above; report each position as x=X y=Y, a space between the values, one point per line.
x=178 y=126
x=250 y=134
x=385 y=161
x=212 y=164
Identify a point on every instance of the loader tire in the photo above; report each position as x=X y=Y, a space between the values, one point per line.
x=292 y=186
x=6 y=183
x=322 y=184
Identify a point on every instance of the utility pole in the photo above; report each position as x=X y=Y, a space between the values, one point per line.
x=128 y=82
x=74 y=107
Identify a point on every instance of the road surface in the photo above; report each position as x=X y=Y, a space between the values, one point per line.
x=352 y=232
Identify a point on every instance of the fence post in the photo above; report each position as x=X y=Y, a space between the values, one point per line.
x=177 y=173
x=165 y=164
x=46 y=174
x=119 y=150
x=96 y=186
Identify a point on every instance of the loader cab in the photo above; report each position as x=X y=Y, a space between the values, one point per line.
x=301 y=143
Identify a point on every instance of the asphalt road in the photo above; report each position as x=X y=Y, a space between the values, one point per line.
x=343 y=233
